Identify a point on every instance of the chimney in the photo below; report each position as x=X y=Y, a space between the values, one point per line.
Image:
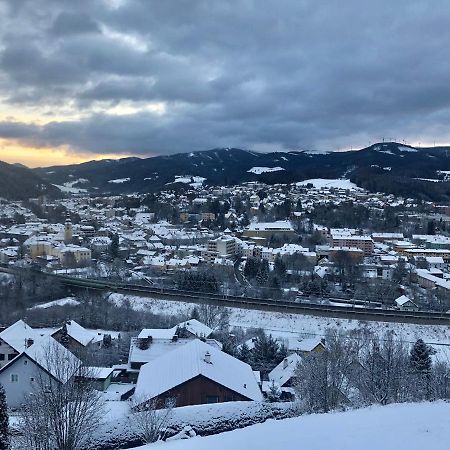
x=208 y=357
x=175 y=338
x=285 y=363
x=29 y=342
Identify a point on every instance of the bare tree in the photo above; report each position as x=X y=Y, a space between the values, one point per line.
x=322 y=378
x=148 y=421
x=383 y=378
x=211 y=315
x=64 y=409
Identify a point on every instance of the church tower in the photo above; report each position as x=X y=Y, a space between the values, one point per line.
x=68 y=231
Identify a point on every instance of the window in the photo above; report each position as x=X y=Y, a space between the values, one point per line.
x=2 y=356
x=212 y=399
x=14 y=378
x=25 y=362
x=11 y=356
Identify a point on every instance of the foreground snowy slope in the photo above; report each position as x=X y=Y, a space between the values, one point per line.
x=394 y=427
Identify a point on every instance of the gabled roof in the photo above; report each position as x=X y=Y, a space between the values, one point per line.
x=196 y=327
x=403 y=300
x=17 y=334
x=305 y=345
x=188 y=362
x=99 y=373
x=47 y=353
x=79 y=333
x=157 y=333
x=285 y=370
x=159 y=347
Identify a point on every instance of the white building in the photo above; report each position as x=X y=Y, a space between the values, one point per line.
x=36 y=364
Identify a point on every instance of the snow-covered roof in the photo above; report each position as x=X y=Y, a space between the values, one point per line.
x=434 y=259
x=160 y=347
x=279 y=225
x=48 y=353
x=190 y=361
x=285 y=370
x=81 y=334
x=403 y=300
x=157 y=333
x=196 y=327
x=17 y=334
x=99 y=373
x=304 y=345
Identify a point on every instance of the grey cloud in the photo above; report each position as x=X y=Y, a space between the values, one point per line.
x=72 y=23
x=290 y=74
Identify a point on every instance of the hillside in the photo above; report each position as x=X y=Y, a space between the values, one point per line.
x=388 y=167
x=395 y=427
x=18 y=182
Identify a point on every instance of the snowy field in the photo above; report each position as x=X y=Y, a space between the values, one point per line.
x=119 y=180
x=260 y=170
x=61 y=302
x=320 y=183
x=285 y=326
x=395 y=427
x=290 y=325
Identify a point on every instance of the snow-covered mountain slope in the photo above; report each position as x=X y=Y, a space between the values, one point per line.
x=409 y=169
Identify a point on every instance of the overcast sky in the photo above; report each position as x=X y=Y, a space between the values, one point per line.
x=90 y=78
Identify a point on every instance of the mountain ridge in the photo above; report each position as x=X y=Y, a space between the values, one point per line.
x=377 y=167
x=18 y=182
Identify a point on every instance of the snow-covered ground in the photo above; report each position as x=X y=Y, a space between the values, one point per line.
x=193 y=181
x=119 y=180
x=395 y=427
x=69 y=186
x=320 y=183
x=60 y=302
x=285 y=325
x=402 y=148
x=260 y=170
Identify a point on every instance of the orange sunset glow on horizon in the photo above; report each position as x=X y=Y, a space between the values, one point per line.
x=44 y=157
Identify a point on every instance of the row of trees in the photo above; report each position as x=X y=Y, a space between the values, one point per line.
x=367 y=371
x=198 y=281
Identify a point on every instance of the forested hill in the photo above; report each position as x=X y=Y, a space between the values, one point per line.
x=388 y=167
x=19 y=183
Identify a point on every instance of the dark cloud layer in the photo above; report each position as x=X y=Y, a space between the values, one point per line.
x=190 y=74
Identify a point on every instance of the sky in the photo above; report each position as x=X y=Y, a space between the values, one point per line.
x=91 y=79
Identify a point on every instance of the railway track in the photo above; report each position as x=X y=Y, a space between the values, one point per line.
x=354 y=312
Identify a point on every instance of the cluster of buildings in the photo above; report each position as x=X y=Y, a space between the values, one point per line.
x=221 y=227
x=182 y=365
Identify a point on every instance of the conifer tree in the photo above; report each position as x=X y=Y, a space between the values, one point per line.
x=266 y=353
x=245 y=353
x=279 y=267
x=421 y=364
x=263 y=273
x=4 y=426
x=420 y=358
